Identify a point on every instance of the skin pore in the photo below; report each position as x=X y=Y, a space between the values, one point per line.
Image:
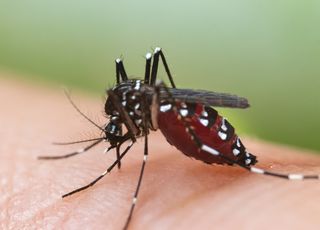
x=177 y=192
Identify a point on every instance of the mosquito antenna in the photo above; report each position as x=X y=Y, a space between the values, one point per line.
x=79 y=111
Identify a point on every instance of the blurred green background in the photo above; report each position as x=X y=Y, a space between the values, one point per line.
x=267 y=51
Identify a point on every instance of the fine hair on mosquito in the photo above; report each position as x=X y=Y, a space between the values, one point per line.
x=186 y=117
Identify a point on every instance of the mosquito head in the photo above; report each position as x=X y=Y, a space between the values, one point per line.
x=113 y=131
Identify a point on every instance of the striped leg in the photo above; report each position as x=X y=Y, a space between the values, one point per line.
x=145 y=114
x=135 y=197
x=159 y=54
x=148 y=68
x=102 y=175
x=120 y=71
x=214 y=152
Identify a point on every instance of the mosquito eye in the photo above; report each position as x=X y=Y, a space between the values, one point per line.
x=111 y=128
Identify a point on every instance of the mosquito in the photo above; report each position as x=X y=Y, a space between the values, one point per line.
x=184 y=116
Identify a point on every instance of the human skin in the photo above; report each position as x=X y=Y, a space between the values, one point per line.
x=177 y=192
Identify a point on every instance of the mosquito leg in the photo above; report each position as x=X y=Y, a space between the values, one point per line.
x=125 y=138
x=117 y=144
x=148 y=68
x=167 y=68
x=158 y=53
x=117 y=72
x=70 y=154
x=120 y=71
x=118 y=156
x=134 y=200
x=102 y=175
x=145 y=157
x=210 y=150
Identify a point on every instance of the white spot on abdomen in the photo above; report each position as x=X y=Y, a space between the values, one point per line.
x=223 y=125
x=238 y=143
x=236 y=152
x=165 y=108
x=210 y=150
x=248 y=161
x=222 y=135
x=183 y=112
x=204 y=113
x=203 y=121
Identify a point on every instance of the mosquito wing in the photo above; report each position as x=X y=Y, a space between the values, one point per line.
x=208 y=98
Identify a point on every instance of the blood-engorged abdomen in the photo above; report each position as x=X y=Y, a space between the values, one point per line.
x=211 y=129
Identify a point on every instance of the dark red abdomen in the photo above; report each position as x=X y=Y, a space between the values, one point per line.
x=212 y=129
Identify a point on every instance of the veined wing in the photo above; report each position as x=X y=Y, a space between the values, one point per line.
x=207 y=97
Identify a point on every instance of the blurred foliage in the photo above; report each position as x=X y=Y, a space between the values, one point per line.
x=267 y=51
